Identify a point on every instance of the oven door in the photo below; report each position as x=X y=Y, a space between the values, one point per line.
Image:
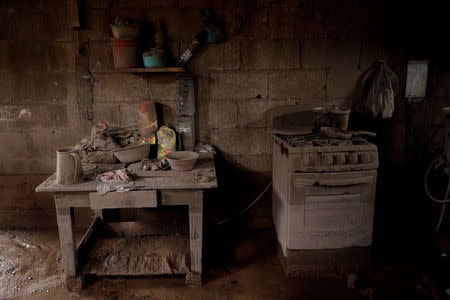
x=331 y=210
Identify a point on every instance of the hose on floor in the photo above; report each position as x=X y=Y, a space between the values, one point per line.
x=447 y=192
x=248 y=207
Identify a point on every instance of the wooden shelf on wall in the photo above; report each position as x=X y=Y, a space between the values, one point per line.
x=154 y=70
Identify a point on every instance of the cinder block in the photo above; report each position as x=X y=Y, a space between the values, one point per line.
x=255 y=24
x=202 y=108
x=18 y=192
x=181 y=24
x=297 y=84
x=4 y=45
x=15 y=144
x=193 y=4
x=20 y=4
x=240 y=141
x=337 y=22
x=97 y=25
x=129 y=115
x=288 y=23
x=167 y=112
x=238 y=85
x=326 y=53
x=257 y=112
x=31 y=87
x=51 y=26
x=6 y=83
x=222 y=114
x=163 y=88
x=220 y=56
x=5 y=25
x=40 y=116
x=145 y=3
x=224 y=4
x=100 y=57
x=270 y=54
x=22 y=56
x=99 y=3
x=344 y=53
x=120 y=87
x=61 y=57
x=108 y=112
x=342 y=82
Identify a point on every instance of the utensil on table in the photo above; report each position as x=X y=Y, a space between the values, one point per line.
x=68 y=166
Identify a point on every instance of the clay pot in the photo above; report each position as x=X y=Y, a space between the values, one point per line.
x=182 y=160
x=68 y=166
x=125 y=53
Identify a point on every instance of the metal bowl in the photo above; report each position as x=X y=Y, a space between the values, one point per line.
x=132 y=153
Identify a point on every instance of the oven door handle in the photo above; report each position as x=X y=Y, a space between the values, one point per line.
x=345 y=181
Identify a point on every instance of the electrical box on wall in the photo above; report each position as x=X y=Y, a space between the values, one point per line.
x=416 y=79
x=186 y=96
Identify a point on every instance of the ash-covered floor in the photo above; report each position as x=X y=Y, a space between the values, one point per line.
x=31 y=268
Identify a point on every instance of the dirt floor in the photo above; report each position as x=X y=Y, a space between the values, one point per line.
x=31 y=268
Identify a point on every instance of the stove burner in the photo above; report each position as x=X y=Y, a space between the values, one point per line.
x=316 y=140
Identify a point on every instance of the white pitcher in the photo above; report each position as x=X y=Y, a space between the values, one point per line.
x=68 y=166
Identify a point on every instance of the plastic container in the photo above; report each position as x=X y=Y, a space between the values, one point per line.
x=166 y=141
x=125 y=53
x=182 y=160
x=154 y=59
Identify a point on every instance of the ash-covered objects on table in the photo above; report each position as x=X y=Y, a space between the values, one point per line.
x=205 y=148
x=114 y=180
x=148 y=165
x=99 y=147
x=205 y=176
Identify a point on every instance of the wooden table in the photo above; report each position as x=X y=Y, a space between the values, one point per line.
x=158 y=188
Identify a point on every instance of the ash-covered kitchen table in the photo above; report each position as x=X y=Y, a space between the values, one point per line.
x=158 y=188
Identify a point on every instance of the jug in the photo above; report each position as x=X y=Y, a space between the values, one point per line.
x=68 y=166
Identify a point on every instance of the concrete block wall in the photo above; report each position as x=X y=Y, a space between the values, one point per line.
x=57 y=82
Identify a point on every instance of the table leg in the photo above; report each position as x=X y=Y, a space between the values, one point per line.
x=98 y=213
x=194 y=277
x=67 y=240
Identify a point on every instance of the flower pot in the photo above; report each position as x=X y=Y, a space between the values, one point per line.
x=125 y=53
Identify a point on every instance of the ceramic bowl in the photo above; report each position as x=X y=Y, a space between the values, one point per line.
x=132 y=153
x=182 y=160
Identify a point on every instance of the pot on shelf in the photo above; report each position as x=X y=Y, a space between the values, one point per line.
x=125 y=53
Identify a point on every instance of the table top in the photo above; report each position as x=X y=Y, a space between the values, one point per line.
x=203 y=176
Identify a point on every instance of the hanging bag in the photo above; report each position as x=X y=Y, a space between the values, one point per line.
x=380 y=85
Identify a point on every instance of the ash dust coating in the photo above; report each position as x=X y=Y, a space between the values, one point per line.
x=29 y=262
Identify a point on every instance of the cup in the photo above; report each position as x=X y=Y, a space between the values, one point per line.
x=68 y=166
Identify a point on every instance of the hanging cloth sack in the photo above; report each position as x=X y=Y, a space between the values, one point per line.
x=380 y=85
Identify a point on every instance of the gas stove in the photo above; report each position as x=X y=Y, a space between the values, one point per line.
x=308 y=153
x=323 y=193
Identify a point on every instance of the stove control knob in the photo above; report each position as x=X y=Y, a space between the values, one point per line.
x=364 y=158
x=328 y=159
x=352 y=158
x=340 y=158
